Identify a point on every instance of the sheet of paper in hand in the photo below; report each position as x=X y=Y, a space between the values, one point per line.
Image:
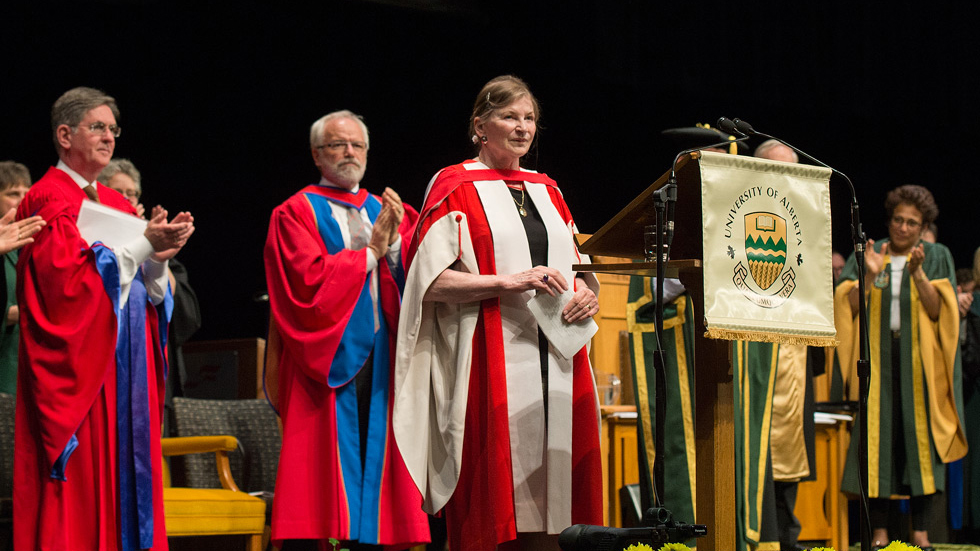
x=114 y=228
x=567 y=338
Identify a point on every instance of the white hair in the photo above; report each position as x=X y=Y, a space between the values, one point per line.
x=316 y=129
x=767 y=145
x=124 y=166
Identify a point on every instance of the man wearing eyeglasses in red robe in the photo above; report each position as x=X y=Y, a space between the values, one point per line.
x=87 y=461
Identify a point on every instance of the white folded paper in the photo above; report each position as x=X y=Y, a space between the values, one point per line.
x=567 y=338
x=114 y=228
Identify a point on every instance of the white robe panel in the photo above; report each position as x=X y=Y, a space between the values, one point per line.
x=432 y=365
x=541 y=455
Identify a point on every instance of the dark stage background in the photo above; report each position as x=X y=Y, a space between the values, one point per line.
x=217 y=99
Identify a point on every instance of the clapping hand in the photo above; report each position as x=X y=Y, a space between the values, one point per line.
x=166 y=237
x=916 y=256
x=964 y=301
x=16 y=234
x=874 y=262
x=394 y=202
x=384 y=225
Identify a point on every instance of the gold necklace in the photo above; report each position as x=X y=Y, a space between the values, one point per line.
x=520 y=206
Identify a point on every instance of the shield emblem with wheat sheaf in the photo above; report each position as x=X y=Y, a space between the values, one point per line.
x=765 y=246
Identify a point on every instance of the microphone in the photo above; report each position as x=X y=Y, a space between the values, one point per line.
x=746 y=129
x=738 y=126
x=727 y=125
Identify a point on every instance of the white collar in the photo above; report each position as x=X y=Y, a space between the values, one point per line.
x=74 y=175
x=328 y=183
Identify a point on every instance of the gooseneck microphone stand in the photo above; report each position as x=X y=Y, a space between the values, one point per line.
x=657 y=525
x=660 y=200
x=664 y=200
x=863 y=366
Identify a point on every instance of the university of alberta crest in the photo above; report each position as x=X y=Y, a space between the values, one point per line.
x=765 y=247
x=765 y=252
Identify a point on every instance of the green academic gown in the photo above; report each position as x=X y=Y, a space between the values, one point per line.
x=678 y=342
x=754 y=367
x=930 y=396
x=756 y=526
x=9 y=334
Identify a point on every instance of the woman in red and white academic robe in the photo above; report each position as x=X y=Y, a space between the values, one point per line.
x=498 y=429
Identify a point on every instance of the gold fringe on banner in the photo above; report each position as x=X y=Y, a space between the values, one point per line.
x=760 y=336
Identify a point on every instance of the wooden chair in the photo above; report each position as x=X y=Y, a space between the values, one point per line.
x=253 y=466
x=211 y=511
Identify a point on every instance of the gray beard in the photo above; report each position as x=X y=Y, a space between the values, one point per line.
x=349 y=175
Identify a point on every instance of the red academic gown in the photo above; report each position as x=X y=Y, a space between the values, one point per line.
x=481 y=512
x=323 y=320
x=67 y=384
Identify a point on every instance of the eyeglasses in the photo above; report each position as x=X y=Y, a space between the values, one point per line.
x=910 y=222
x=101 y=127
x=360 y=147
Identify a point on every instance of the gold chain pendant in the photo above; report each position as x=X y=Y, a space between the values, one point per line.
x=520 y=206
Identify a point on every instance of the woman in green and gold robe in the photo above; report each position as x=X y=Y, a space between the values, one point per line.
x=915 y=399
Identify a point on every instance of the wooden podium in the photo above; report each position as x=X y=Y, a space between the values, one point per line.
x=622 y=237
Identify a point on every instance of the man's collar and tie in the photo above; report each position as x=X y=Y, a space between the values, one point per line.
x=360 y=232
x=359 y=227
x=92 y=193
x=89 y=188
x=360 y=236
